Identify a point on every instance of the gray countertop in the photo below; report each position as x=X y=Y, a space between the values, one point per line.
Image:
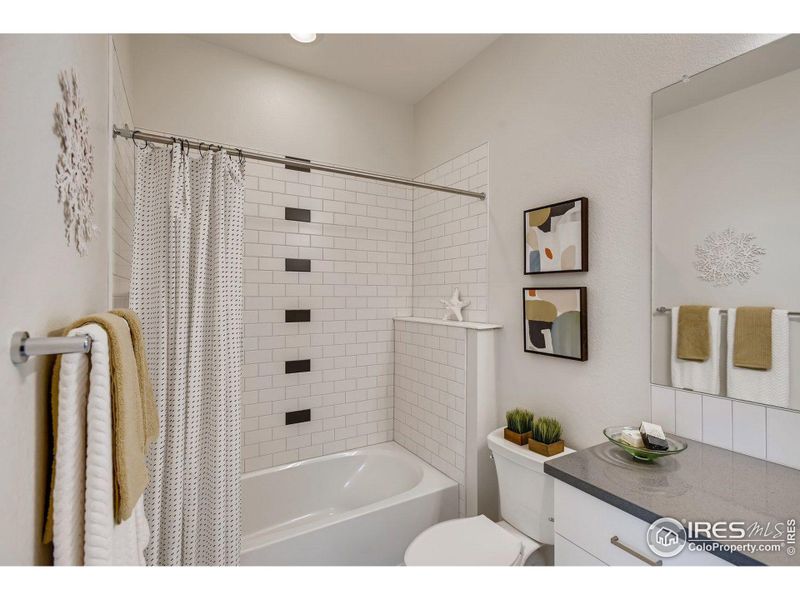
x=702 y=483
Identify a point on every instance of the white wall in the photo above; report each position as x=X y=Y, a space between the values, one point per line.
x=45 y=284
x=186 y=86
x=729 y=162
x=122 y=174
x=568 y=116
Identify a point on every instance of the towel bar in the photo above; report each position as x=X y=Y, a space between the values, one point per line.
x=23 y=346
x=666 y=309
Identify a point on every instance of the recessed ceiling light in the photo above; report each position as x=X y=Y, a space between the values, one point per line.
x=304 y=38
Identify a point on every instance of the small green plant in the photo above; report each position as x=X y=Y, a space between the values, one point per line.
x=519 y=420
x=546 y=430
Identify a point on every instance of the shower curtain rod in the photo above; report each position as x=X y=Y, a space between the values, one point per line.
x=161 y=138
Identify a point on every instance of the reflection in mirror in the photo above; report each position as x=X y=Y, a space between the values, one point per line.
x=726 y=228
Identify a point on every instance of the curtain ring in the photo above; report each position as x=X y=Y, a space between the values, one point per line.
x=200 y=149
x=133 y=139
x=188 y=147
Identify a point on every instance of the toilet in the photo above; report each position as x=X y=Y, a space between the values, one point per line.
x=526 y=510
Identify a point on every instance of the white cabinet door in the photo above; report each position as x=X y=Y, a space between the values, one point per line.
x=568 y=554
x=610 y=534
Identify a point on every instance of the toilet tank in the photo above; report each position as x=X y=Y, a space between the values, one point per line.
x=526 y=492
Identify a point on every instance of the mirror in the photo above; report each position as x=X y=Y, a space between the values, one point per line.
x=726 y=227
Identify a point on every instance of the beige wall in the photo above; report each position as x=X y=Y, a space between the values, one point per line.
x=187 y=86
x=45 y=284
x=568 y=116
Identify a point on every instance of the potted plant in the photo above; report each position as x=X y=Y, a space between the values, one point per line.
x=519 y=422
x=546 y=437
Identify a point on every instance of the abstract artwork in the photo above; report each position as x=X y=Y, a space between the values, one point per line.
x=727 y=257
x=556 y=237
x=555 y=321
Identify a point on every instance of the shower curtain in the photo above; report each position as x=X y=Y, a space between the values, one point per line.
x=186 y=286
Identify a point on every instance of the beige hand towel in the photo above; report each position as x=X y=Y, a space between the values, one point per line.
x=150 y=410
x=134 y=420
x=752 y=338
x=693 y=335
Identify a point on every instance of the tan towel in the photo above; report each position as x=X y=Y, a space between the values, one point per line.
x=134 y=418
x=47 y=536
x=752 y=338
x=693 y=334
x=150 y=410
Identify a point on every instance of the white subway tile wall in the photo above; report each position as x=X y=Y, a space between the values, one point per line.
x=689 y=414
x=122 y=181
x=663 y=407
x=783 y=430
x=755 y=430
x=430 y=397
x=717 y=422
x=359 y=241
x=450 y=238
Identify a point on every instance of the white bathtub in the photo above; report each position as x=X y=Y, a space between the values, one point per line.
x=361 y=507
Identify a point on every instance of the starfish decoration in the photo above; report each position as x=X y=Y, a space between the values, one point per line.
x=453 y=306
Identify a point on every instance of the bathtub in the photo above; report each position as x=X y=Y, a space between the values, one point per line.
x=361 y=507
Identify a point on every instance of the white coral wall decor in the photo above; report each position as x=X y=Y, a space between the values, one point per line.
x=75 y=166
x=728 y=256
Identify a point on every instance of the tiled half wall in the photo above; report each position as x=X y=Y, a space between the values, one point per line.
x=430 y=402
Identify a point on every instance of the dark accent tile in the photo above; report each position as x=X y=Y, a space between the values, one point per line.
x=301 y=169
x=298 y=366
x=298 y=316
x=297 y=214
x=298 y=264
x=298 y=416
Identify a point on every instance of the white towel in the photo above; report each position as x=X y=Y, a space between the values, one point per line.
x=69 y=485
x=84 y=531
x=695 y=375
x=766 y=387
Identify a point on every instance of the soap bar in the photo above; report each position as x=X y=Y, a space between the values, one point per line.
x=632 y=438
x=653 y=436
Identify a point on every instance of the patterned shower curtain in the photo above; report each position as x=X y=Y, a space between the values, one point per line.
x=186 y=286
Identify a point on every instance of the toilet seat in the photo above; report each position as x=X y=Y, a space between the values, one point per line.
x=472 y=541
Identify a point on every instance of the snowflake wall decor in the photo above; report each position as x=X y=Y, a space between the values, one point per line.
x=728 y=256
x=75 y=166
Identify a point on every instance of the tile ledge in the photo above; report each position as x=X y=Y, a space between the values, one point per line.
x=461 y=324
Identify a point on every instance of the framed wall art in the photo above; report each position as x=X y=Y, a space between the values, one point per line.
x=557 y=237
x=555 y=321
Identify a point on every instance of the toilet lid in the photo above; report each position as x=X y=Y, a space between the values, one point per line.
x=465 y=542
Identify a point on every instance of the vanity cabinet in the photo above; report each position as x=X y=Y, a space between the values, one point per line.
x=592 y=532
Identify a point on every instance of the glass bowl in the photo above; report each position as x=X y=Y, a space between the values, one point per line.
x=642 y=454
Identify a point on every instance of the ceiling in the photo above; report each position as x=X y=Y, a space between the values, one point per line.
x=404 y=67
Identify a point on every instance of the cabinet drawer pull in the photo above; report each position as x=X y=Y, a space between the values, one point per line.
x=653 y=563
